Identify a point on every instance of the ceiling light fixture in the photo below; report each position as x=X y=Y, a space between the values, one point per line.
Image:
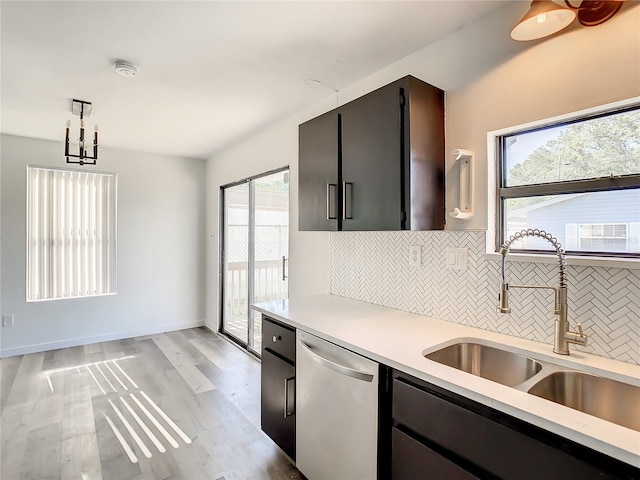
x=595 y=12
x=125 y=69
x=545 y=17
x=81 y=108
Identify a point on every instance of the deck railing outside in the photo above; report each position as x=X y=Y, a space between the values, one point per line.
x=268 y=286
x=271 y=242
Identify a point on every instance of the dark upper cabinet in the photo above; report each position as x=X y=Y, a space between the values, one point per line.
x=371 y=161
x=376 y=163
x=318 y=179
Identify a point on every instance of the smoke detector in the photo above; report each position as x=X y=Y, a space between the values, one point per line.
x=125 y=69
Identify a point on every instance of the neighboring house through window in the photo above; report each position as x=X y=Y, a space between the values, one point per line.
x=71 y=233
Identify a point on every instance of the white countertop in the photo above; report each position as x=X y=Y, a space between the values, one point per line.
x=398 y=339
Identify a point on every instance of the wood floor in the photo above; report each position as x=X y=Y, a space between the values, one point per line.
x=179 y=405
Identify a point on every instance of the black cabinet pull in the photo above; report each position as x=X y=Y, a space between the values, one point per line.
x=288 y=413
x=329 y=216
x=345 y=201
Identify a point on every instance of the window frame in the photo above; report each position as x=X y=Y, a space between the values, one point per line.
x=114 y=237
x=497 y=192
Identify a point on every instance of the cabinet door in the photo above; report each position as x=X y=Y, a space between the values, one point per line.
x=278 y=402
x=318 y=187
x=493 y=444
x=412 y=460
x=372 y=161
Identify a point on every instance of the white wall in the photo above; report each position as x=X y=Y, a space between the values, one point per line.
x=491 y=82
x=161 y=247
x=308 y=251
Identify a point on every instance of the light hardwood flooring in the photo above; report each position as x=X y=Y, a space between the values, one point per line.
x=178 y=405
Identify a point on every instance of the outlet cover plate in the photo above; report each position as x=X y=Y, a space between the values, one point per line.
x=415 y=256
x=457 y=258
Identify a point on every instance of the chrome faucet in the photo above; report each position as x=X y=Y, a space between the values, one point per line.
x=563 y=336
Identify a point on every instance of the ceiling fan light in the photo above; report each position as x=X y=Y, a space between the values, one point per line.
x=544 y=18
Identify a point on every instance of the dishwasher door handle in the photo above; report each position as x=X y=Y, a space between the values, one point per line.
x=336 y=367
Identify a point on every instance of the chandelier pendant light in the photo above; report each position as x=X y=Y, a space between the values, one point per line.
x=84 y=157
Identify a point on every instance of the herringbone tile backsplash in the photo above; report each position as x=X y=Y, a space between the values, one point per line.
x=374 y=267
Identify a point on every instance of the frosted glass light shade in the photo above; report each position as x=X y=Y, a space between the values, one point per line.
x=544 y=18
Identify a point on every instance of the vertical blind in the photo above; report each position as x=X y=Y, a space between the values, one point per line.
x=71 y=233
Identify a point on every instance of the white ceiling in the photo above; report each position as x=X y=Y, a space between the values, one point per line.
x=210 y=72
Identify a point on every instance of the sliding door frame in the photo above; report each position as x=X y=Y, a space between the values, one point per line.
x=251 y=257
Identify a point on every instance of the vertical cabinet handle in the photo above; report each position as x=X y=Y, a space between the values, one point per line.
x=347 y=201
x=284 y=259
x=288 y=412
x=329 y=196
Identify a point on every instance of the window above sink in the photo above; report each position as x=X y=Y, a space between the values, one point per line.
x=577 y=176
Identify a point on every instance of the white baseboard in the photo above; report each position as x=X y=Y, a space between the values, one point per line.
x=74 y=342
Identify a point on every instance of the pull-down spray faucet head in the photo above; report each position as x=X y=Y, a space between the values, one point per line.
x=504 y=286
x=504 y=298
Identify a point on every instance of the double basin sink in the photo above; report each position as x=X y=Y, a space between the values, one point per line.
x=608 y=399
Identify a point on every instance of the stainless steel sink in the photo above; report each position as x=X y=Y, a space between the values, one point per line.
x=607 y=399
x=487 y=362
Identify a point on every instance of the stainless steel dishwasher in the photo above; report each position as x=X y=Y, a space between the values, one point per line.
x=337 y=411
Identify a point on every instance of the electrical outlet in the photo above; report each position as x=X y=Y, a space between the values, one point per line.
x=415 y=256
x=8 y=320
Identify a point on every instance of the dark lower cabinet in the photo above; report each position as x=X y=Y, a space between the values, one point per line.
x=413 y=460
x=438 y=434
x=278 y=387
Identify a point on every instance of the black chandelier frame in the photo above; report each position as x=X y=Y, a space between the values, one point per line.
x=82 y=108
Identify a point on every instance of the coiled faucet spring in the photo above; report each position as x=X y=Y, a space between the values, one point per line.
x=562 y=336
x=531 y=232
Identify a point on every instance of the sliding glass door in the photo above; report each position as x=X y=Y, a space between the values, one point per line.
x=255 y=252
